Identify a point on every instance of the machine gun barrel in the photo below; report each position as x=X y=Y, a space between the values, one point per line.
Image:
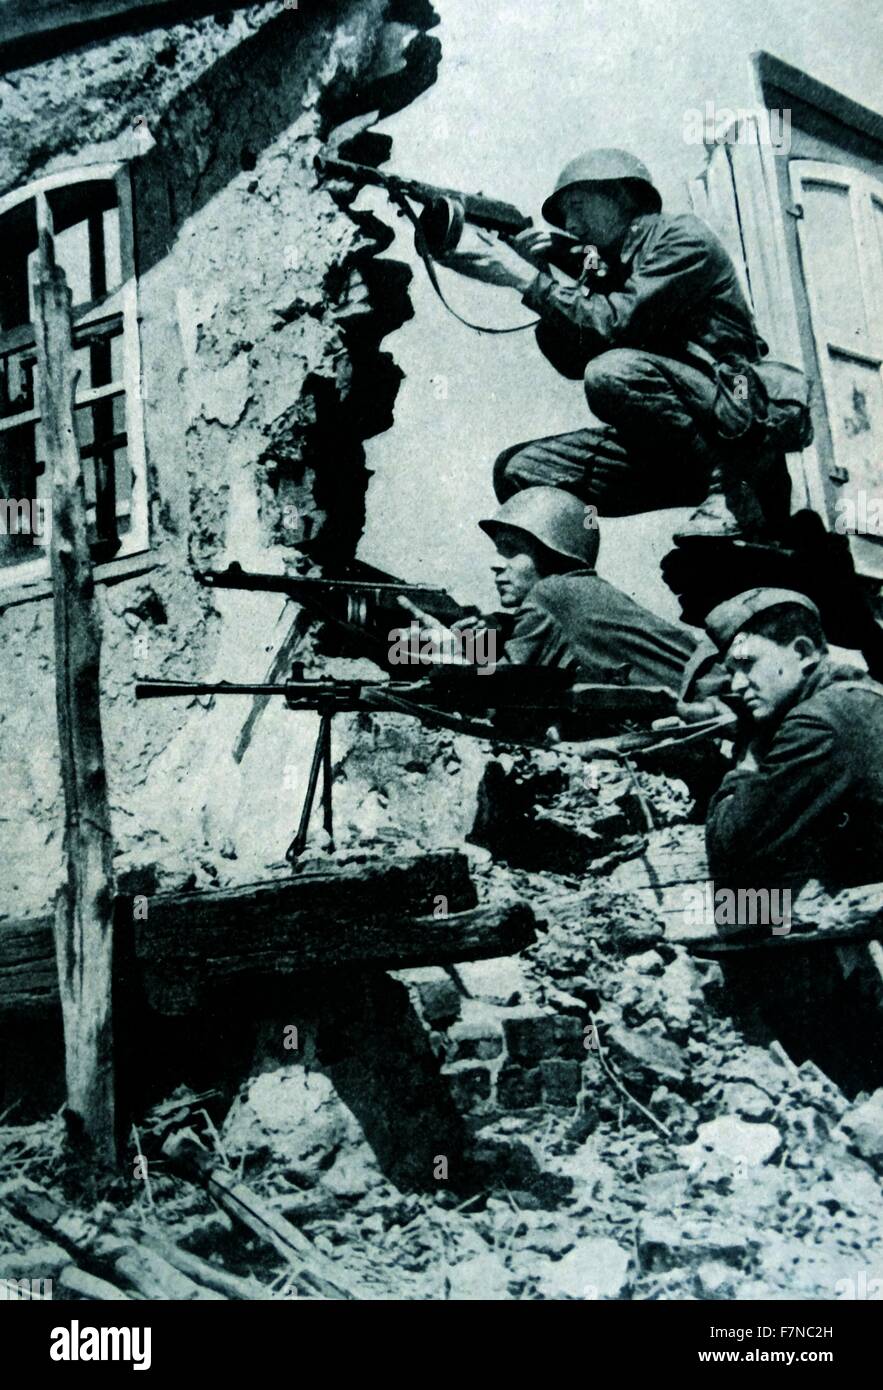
x=308 y=694
x=446 y=209
x=542 y=695
x=491 y=213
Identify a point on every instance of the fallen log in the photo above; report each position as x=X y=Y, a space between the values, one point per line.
x=312 y=1271
x=98 y=1253
x=76 y=1281
x=232 y=1286
x=190 y=944
x=148 y=1273
x=40 y=1262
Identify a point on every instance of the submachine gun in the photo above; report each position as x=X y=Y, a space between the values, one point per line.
x=365 y=606
x=520 y=706
x=438 y=228
x=444 y=212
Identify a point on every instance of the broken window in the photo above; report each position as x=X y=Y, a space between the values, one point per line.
x=88 y=213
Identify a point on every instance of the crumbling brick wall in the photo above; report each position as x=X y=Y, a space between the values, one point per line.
x=262 y=309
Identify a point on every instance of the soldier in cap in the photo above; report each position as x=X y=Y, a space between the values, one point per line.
x=806 y=797
x=565 y=614
x=645 y=340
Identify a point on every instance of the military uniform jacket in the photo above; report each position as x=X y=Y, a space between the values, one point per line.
x=814 y=807
x=579 y=622
x=675 y=284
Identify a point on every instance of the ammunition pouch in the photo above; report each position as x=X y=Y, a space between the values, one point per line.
x=787 y=419
x=769 y=398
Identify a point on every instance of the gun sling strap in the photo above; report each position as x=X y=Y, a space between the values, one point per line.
x=426 y=257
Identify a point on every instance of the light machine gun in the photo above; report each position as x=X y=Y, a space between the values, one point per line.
x=519 y=706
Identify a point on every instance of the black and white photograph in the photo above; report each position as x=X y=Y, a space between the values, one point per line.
x=441 y=670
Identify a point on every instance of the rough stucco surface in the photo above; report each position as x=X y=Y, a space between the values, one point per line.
x=258 y=394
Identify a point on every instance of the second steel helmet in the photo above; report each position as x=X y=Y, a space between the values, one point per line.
x=601 y=166
x=555 y=518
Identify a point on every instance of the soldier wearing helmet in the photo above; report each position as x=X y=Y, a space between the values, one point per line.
x=669 y=289
x=806 y=797
x=565 y=615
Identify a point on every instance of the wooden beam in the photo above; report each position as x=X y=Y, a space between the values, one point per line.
x=189 y=944
x=313 y=1272
x=84 y=907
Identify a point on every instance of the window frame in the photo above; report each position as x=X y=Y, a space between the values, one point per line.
x=123 y=303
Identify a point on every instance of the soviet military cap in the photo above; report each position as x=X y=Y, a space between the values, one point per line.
x=728 y=618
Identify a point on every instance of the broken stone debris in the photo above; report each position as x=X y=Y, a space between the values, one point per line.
x=766 y=1184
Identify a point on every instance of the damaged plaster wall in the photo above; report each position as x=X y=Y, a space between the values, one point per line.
x=261 y=377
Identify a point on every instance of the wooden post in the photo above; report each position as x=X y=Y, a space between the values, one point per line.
x=84 y=907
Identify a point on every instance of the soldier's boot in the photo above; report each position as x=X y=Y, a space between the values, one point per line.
x=730 y=511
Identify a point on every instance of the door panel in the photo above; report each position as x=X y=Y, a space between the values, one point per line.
x=841 y=246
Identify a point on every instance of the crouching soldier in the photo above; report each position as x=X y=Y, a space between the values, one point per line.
x=649 y=340
x=565 y=615
x=806 y=797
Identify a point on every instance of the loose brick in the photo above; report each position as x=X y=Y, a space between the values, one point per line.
x=518 y=1089
x=476 y=1049
x=479 y=1034
x=531 y=1037
x=470 y=1086
x=439 y=1001
x=569 y=1037
x=561 y=1082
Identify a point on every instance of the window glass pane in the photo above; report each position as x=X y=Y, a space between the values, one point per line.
x=100 y=422
x=89 y=479
x=101 y=362
x=101 y=434
x=833 y=266
x=20 y=518
x=85 y=217
x=116 y=356
x=83 y=426
x=123 y=474
x=72 y=254
x=17 y=382
x=83 y=364
x=112 y=262
x=18 y=240
x=99 y=354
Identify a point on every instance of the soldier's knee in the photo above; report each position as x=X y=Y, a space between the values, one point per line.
x=607 y=375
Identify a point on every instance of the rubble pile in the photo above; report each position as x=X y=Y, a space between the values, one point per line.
x=624 y=1135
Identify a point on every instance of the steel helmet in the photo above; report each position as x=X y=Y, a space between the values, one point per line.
x=555 y=518
x=727 y=619
x=601 y=166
